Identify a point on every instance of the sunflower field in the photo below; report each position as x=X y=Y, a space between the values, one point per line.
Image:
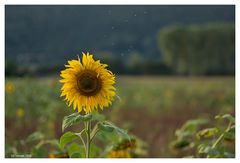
x=119 y=81
x=153 y=117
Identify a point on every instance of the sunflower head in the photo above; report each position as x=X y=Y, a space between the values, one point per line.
x=20 y=112
x=87 y=84
x=9 y=87
x=119 y=154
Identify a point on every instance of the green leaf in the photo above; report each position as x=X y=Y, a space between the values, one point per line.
x=105 y=127
x=226 y=116
x=38 y=152
x=53 y=142
x=230 y=134
x=117 y=129
x=204 y=148
x=76 y=155
x=192 y=124
x=190 y=127
x=67 y=138
x=74 y=119
x=94 y=151
x=108 y=138
x=208 y=132
x=217 y=152
x=76 y=151
x=35 y=136
x=179 y=144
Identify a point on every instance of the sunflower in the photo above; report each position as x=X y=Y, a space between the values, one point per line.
x=119 y=154
x=20 y=112
x=9 y=87
x=87 y=85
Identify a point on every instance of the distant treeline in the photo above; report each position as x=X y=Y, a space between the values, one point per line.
x=185 y=50
x=134 y=64
x=199 y=49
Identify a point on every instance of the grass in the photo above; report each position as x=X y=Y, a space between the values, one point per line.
x=149 y=107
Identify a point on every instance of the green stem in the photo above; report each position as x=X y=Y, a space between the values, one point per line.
x=80 y=136
x=88 y=132
x=221 y=136
x=94 y=131
x=217 y=141
x=94 y=134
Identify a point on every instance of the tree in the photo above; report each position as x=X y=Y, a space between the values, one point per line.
x=199 y=49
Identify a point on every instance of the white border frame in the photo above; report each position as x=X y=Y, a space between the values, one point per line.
x=116 y=2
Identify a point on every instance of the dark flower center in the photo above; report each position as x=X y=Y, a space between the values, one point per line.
x=89 y=83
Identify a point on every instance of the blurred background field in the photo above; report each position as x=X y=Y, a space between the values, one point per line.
x=172 y=64
x=150 y=107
